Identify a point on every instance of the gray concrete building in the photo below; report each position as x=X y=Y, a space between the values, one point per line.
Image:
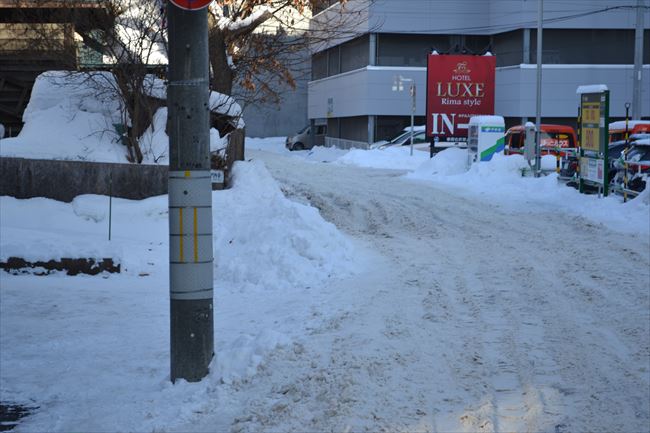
x=584 y=42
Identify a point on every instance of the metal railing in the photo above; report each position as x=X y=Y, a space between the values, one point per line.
x=341 y=143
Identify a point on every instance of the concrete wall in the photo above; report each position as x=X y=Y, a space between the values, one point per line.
x=495 y=16
x=270 y=120
x=64 y=180
x=508 y=13
x=516 y=89
x=430 y=16
x=368 y=91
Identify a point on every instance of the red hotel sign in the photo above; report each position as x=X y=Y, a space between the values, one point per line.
x=457 y=87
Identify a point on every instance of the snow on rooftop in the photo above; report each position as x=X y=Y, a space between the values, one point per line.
x=620 y=124
x=484 y=120
x=592 y=88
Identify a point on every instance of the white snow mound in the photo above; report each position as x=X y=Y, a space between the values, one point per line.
x=285 y=244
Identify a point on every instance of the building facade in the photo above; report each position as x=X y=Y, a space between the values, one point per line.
x=584 y=42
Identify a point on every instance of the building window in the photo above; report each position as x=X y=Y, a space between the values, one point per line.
x=585 y=46
x=351 y=55
x=319 y=65
x=509 y=48
x=412 y=50
x=355 y=54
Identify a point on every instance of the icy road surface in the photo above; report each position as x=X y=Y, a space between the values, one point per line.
x=470 y=319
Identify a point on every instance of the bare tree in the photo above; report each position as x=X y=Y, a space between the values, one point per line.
x=127 y=35
x=261 y=45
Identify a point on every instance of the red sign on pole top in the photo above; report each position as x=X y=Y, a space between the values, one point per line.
x=191 y=5
x=458 y=87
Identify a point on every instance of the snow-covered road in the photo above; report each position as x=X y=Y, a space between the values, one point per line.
x=428 y=309
x=470 y=318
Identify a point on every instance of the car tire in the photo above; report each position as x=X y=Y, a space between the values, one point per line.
x=298 y=146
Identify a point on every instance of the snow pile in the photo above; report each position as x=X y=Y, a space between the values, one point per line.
x=262 y=239
x=396 y=158
x=67 y=335
x=285 y=244
x=70 y=116
x=48 y=224
x=76 y=116
x=322 y=154
x=268 y=144
x=446 y=162
x=41 y=229
x=241 y=358
x=500 y=181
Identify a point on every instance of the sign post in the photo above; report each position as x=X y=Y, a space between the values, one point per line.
x=594 y=121
x=190 y=192
x=458 y=87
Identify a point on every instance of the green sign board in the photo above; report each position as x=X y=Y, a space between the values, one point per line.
x=594 y=121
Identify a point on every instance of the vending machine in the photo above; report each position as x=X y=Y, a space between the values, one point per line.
x=485 y=137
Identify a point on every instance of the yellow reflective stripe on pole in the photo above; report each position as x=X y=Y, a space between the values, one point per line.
x=196 y=241
x=180 y=212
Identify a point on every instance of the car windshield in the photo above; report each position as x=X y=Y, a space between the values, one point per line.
x=401 y=137
x=639 y=154
x=303 y=130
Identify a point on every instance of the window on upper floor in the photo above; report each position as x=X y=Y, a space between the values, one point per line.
x=412 y=49
x=585 y=46
x=348 y=56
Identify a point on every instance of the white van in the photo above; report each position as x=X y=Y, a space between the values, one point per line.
x=302 y=139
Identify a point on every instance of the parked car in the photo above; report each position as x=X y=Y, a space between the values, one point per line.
x=402 y=138
x=420 y=141
x=638 y=165
x=303 y=139
x=634 y=127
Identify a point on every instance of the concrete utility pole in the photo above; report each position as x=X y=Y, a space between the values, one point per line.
x=538 y=117
x=638 y=61
x=190 y=195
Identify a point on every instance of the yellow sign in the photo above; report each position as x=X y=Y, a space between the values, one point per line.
x=591 y=112
x=590 y=125
x=591 y=139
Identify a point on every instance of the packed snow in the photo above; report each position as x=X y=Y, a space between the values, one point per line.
x=266 y=248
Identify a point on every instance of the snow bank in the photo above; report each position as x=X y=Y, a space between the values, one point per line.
x=285 y=244
x=397 y=158
x=67 y=335
x=446 y=162
x=262 y=239
x=41 y=229
x=500 y=181
x=268 y=144
x=70 y=116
